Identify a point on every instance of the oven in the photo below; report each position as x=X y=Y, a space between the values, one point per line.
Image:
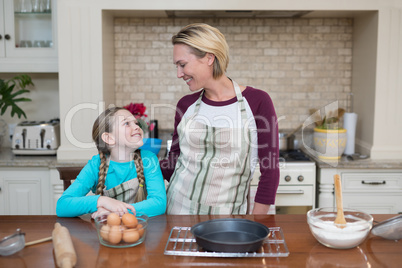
x=297 y=184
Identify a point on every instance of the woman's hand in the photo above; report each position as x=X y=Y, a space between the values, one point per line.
x=110 y=204
x=260 y=208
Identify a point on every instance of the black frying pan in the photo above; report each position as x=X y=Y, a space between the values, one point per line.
x=230 y=235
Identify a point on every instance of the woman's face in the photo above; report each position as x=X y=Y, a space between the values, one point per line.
x=196 y=72
x=126 y=132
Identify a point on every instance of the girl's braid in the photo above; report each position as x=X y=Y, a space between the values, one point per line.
x=142 y=192
x=102 y=173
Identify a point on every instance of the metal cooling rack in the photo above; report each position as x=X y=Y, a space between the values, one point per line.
x=181 y=242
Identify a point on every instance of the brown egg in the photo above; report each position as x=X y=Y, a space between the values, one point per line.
x=114 y=234
x=104 y=232
x=113 y=219
x=140 y=229
x=131 y=235
x=129 y=220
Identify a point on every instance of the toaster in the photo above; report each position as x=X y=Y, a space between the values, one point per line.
x=36 y=138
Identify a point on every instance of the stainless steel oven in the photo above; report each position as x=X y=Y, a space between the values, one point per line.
x=297 y=184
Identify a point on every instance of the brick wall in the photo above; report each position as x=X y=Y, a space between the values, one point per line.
x=301 y=63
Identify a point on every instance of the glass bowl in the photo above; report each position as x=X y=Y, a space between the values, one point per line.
x=323 y=228
x=121 y=235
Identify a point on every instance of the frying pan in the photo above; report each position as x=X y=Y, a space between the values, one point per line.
x=230 y=235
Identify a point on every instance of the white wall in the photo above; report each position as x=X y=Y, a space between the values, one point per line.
x=82 y=75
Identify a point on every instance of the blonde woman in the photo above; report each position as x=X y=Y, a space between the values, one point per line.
x=123 y=177
x=222 y=130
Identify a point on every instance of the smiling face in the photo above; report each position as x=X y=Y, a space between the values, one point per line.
x=195 y=71
x=126 y=132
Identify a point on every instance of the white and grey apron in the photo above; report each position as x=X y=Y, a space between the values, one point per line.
x=212 y=174
x=124 y=192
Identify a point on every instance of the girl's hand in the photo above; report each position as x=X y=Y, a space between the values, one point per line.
x=101 y=211
x=111 y=204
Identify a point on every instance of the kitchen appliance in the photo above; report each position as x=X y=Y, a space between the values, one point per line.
x=36 y=138
x=297 y=184
x=288 y=141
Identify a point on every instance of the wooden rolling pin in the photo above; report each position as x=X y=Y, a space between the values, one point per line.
x=63 y=247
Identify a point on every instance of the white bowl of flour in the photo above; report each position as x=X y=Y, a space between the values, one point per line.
x=321 y=223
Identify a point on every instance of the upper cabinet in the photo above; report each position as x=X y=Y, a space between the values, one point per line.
x=28 y=36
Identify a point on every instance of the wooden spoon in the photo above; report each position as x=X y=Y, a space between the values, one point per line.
x=340 y=221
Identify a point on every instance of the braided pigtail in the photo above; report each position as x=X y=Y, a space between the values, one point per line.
x=142 y=192
x=102 y=173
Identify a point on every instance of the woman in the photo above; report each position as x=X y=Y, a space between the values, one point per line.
x=220 y=134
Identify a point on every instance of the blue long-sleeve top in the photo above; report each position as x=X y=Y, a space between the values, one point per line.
x=75 y=201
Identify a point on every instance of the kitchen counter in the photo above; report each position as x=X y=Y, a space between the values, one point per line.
x=304 y=250
x=345 y=163
x=8 y=159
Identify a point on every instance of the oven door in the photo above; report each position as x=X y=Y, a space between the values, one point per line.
x=296 y=190
x=289 y=199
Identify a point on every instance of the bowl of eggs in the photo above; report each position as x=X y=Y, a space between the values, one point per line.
x=121 y=230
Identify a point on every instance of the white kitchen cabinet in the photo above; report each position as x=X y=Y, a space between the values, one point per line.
x=28 y=40
x=375 y=191
x=57 y=189
x=24 y=191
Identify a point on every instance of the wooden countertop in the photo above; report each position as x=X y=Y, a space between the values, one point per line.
x=304 y=250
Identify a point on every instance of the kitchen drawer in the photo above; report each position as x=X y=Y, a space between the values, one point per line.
x=295 y=196
x=374 y=203
x=372 y=182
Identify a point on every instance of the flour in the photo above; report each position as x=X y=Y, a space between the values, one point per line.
x=352 y=235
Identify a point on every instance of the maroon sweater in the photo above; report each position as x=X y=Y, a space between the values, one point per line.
x=267 y=133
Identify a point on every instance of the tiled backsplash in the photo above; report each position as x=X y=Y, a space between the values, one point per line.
x=301 y=63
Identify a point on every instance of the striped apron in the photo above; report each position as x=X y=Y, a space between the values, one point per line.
x=212 y=174
x=124 y=192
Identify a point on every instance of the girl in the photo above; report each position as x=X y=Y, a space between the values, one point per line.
x=123 y=177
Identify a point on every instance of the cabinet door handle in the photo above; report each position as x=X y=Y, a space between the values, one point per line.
x=290 y=192
x=7 y=37
x=373 y=182
x=1 y=37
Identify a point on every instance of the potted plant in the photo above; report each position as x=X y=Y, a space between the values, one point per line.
x=10 y=96
x=329 y=138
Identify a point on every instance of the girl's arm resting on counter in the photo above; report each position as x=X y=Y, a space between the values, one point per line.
x=74 y=201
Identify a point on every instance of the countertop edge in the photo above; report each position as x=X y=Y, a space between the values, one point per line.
x=9 y=160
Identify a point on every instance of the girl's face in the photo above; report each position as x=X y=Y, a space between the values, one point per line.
x=196 y=72
x=126 y=132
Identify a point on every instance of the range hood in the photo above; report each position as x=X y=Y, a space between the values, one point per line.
x=235 y=14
